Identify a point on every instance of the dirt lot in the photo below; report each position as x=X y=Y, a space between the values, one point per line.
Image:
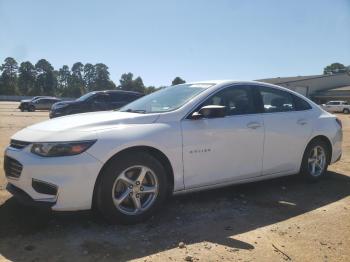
x=276 y=220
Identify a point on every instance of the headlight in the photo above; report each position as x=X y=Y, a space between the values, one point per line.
x=52 y=149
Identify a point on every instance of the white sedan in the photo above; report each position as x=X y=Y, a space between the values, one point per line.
x=180 y=139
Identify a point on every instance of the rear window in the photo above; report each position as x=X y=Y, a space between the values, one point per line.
x=300 y=104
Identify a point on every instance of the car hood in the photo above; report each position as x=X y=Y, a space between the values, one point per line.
x=26 y=101
x=81 y=126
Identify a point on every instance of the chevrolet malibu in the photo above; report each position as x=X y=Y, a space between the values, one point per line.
x=180 y=139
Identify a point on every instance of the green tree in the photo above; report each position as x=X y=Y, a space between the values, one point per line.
x=26 y=78
x=150 y=89
x=138 y=85
x=334 y=68
x=63 y=78
x=9 y=76
x=177 y=81
x=76 y=82
x=102 y=81
x=46 y=80
x=128 y=83
x=89 y=77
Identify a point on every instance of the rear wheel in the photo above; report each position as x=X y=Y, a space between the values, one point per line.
x=131 y=188
x=346 y=110
x=315 y=160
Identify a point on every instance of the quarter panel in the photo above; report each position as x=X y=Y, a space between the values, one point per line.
x=285 y=140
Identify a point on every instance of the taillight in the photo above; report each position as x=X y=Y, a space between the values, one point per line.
x=339 y=122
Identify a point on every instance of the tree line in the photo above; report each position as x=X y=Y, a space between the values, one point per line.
x=41 y=78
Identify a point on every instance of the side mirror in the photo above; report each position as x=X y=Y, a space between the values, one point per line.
x=211 y=111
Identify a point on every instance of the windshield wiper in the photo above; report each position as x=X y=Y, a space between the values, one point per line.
x=135 y=111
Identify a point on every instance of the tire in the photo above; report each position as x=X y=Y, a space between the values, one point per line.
x=346 y=111
x=22 y=110
x=31 y=108
x=118 y=183
x=314 y=168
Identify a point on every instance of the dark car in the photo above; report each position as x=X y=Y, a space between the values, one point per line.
x=42 y=103
x=94 y=101
x=24 y=105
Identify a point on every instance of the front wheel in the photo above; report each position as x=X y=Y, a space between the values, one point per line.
x=315 y=160
x=346 y=110
x=131 y=188
x=31 y=109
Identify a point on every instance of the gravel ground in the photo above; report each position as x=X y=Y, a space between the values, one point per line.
x=283 y=219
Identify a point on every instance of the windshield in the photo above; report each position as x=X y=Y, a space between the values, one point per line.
x=166 y=99
x=86 y=96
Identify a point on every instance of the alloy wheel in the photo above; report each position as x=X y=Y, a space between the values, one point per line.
x=317 y=161
x=135 y=190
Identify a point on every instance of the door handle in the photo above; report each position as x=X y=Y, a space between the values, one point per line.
x=253 y=125
x=302 y=122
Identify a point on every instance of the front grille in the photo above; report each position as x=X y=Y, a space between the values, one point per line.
x=18 y=144
x=12 y=167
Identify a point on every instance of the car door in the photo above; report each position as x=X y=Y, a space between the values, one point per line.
x=219 y=150
x=40 y=104
x=99 y=102
x=47 y=104
x=287 y=130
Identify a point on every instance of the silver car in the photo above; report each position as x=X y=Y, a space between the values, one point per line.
x=42 y=104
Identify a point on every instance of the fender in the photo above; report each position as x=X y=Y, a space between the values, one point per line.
x=164 y=137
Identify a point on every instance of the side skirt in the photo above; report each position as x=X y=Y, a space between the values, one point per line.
x=230 y=183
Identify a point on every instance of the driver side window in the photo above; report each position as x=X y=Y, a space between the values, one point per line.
x=100 y=98
x=238 y=100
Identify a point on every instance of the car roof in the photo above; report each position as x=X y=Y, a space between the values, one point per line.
x=118 y=91
x=227 y=82
x=52 y=98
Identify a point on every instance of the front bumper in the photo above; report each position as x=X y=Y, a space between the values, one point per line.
x=53 y=114
x=26 y=199
x=23 y=106
x=57 y=113
x=74 y=177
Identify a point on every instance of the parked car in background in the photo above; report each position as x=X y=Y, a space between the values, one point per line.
x=43 y=103
x=24 y=104
x=180 y=139
x=94 y=101
x=337 y=107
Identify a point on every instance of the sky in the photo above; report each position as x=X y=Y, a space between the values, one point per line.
x=196 y=40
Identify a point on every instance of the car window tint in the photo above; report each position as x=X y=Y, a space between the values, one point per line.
x=100 y=98
x=117 y=97
x=237 y=100
x=131 y=97
x=300 y=104
x=275 y=100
